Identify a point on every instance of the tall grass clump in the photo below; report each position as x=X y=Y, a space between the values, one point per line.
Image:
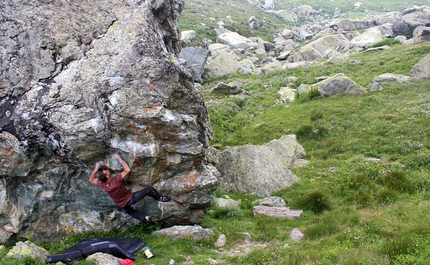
x=316 y=201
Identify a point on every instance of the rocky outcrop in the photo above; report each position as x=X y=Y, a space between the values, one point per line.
x=406 y=24
x=76 y=91
x=261 y=169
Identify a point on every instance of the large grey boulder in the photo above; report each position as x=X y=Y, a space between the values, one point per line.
x=370 y=36
x=261 y=169
x=421 y=69
x=289 y=15
x=306 y=10
x=253 y=23
x=222 y=61
x=194 y=61
x=315 y=50
x=406 y=24
x=352 y=25
x=339 y=84
x=234 y=40
x=78 y=90
x=421 y=33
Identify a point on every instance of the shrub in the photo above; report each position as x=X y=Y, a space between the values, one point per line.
x=311 y=132
x=397 y=181
x=316 y=202
x=387 y=196
x=314 y=93
x=316 y=115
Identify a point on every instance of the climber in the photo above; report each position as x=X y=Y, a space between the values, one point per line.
x=119 y=194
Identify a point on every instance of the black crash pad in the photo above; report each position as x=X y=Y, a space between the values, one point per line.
x=123 y=248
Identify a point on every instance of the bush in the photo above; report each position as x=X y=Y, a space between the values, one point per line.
x=387 y=196
x=311 y=132
x=316 y=202
x=314 y=93
x=397 y=181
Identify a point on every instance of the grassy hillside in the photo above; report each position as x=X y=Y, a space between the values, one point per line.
x=357 y=211
x=203 y=15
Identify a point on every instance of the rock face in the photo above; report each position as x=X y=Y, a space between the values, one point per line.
x=76 y=91
x=262 y=169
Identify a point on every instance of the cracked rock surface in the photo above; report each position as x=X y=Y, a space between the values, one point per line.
x=79 y=82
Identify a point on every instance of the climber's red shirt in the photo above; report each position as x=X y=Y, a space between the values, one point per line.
x=119 y=194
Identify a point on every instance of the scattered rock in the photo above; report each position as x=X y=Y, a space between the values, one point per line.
x=287 y=94
x=253 y=23
x=231 y=88
x=421 y=33
x=421 y=69
x=221 y=241
x=187 y=36
x=281 y=212
x=103 y=259
x=296 y=234
x=272 y=201
x=224 y=203
x=195 y=232
x=27 y=249
x=376 y=83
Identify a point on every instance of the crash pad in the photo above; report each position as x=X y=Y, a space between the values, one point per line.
x=123 y=248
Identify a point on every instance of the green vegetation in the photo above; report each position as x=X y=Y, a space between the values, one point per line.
x=202 y=16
